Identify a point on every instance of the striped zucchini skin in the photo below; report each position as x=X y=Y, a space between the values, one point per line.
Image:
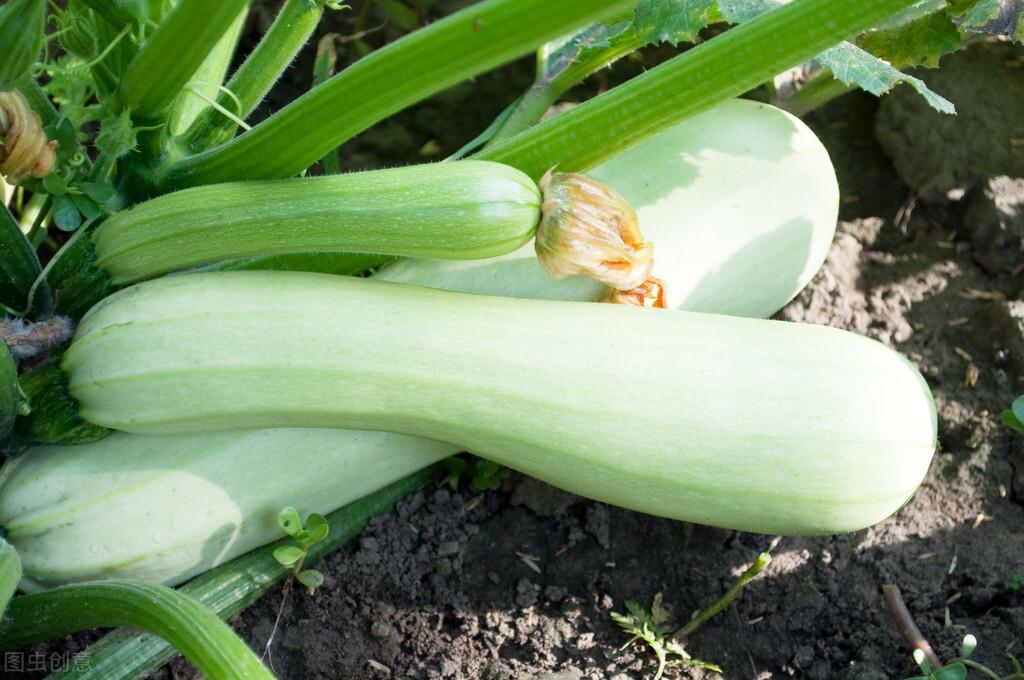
x=754 y=425
x=163 y=509
x=459 y=210
x=730 y=142
x=740 y=202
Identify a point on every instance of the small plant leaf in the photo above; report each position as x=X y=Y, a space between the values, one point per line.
x=919 y=43
x=672 y=21
x=55 y=184
x=311 y=578
x=487 y=475
x=854 y=66
x=956 y=671
x=1018 y=408
x=1010 y=420
x=287 y=555
x=456 y=467
x=86 y=206
x=848 y=63
x=65 y=213
x=290 y=521
x=97 y=191
x=558 y=55
x=316 y=527
x=659 y=615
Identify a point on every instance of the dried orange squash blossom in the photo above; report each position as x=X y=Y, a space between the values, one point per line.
x=587 y=228
x=24 y=148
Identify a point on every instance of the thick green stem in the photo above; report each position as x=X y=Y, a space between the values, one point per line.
x=822 y=88
x=719 y=69
x=192 y=628
x=549 y=87
x=762 y=561
x=227 y=590
x=10 y=397
x=467 y=43
x=174 y=53
x=205 y=83
x=19 y=267
x=254 y=78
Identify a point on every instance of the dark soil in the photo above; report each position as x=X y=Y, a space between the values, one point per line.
x=519 y=583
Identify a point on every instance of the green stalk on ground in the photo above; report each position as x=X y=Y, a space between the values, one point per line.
x=194 y=630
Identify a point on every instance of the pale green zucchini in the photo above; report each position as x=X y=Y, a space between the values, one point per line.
x=61 y=548
x=754 y=425
x=740 y=202
x=460 y=210
x=163 y=509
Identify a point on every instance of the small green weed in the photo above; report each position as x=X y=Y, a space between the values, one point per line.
x=306 y=535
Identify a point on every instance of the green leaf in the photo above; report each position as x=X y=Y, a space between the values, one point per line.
x=288 y=555
x=55 y=184
x=21 y=34
x=117 y=135
x=1011 y=420
x=456 y=467
x=99 y=192
x=854 y=66
x=311 y=578
x=956 y=671
x=290 y=521
x=316 y=526
x=919 y=43
x=560 y=54
x=994 y=17
x=65 y=213
x=1018 y=408
x=848 y=63
x=672 y=21
x=86 y=206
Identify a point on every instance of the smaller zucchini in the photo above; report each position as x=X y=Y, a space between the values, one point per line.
x=461 y=210
x=164 y=508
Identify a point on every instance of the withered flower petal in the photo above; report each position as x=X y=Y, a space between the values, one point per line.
x=24 y=148
x=588 y=228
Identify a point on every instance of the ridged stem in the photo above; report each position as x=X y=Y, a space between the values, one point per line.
x=465 y=44
x=205 y=83
x=547 y=89
x=173 y=53
x=193 y=629
x=719 y=69
x=10 y=566
x=816 y=92
x=19 y=267
x=227 y=590
x=254 y=78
